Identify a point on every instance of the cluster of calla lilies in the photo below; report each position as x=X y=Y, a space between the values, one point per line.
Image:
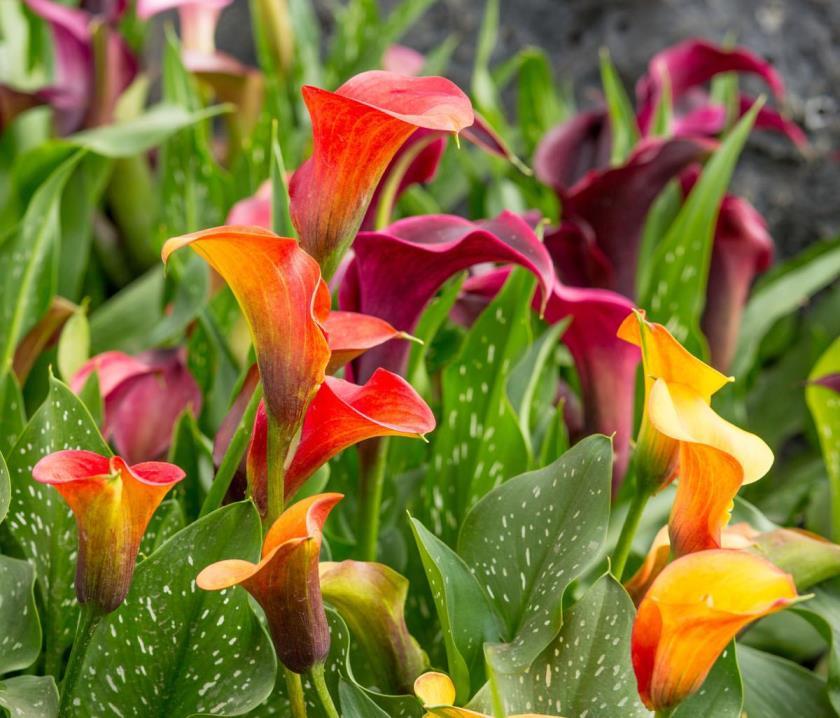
x=703 y=580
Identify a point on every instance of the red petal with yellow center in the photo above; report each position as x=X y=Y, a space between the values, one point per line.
x=357 y=130
x=113 y=504
x=692 y=611
x=284 y=300
x=285 y=582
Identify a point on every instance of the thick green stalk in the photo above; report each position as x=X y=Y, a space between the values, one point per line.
x=628 y=532
x=317 y=674
x=372 y=460
x=294 y=688
x=278 y=448
x=88 y=621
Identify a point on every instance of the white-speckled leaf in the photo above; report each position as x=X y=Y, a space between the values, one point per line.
x=823 y=612
x=529 y=538
x=467 y=619
x=20 y=630
x=478 y=442
x=29 y=697
x=167 y=521
x=40 y=521
x=721 y=694
x=585 y=672
x=12 y=416
x=172 y=650
x=5 y=489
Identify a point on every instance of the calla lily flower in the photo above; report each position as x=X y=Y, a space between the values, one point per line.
x=692 y=611
x=437 y=693
x=255 y=210
x=93 y=65
x=113 y=504
x=285 y=582
x=341 y=414
x=403 y=60
x=351 y=334
x=143 y=397
x=330 y=192
x=395 y=273
x=371 y=599
x=285 y=303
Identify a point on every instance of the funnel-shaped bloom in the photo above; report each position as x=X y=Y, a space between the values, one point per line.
x=341 y=414
x=692 y=611
x=437 y=693
x=395 y=273
x=371 y=599
x=357 y=130
x=285 y=302
x=143 y=398
x=113 y=503
x=351 y=334
x=285 y=582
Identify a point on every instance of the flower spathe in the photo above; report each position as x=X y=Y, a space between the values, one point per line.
x=286 y=583
x=113 y=504
x=693 y=609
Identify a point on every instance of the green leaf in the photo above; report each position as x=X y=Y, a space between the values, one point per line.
x=823 y=612
x=783 y=291
x=29 y=697
x=73 y=344
x=5 y=489
x=721 y=694
x=775 y=687
x=20 y=630
x=484 y=92
x=281 y=213
x=356 y=704
x=167 y=521
x=466 y=616
x=40 y=521
x=824 y=403
x=190 y=276
x=586 y=665
x=623 y=127
x=193 y=453
x=30 y=261
x=478 y=443
x=528 y=539
x=132 y=137
x=12 y=415
x=173 y=650
x=680 y=264
x=539 y=107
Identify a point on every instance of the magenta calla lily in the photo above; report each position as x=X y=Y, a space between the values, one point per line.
x=396 y=272
x=143 y=398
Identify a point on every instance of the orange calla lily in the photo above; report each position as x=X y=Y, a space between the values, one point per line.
x=286 y=583
x=351 y=334
x=692 y=611
x=113 y=504
x=357 y=130
x=437 y=693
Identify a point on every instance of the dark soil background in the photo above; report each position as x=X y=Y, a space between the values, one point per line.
x=799 y=194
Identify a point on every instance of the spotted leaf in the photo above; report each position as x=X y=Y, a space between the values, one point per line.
x=12 y=417
x=528 y=539
x=586 y=668
x=20 y=630
x=29 y=697
x=721 y=694
x=172 y=650
x=40 y=521
x=5 y=489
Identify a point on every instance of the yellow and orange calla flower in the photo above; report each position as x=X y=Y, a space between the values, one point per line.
x=437 y=693
x=693 y=609
x=286 y=582
x=680 y=431
x=113 y=504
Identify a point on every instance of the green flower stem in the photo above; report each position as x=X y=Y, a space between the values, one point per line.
x=372 y=459
x=294 y=688
x=628 y=532
x=663 y=713
x=317 y=674
x=278 y=448
x=88 y=621
x=233 y=456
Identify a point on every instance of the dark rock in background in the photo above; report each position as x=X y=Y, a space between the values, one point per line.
x=799 y=195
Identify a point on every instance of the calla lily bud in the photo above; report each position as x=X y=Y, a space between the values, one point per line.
x=113 y=504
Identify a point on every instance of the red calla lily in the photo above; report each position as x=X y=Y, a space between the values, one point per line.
x=113 y=504
x=379 y=110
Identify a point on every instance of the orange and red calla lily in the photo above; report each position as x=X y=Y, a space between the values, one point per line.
x=341 y=414
x=285 y=302
x=351 y=334
x=113 y=504
x=692 y=611
x=286 y=583
x=357 y=130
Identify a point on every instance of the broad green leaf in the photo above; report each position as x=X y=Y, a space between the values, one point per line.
x=172 y=650
x=586 y=666
x=680 y=264
x=528 y=539
x=478 y=443
x=40 y=521
x=29 y=697
x=659 y=218
x=539 y=106
x=466 y=617
x=167 y=521
x=132 y=137
x=823 y=612
x=623 y=128
x=73 y=344
x=12 y=414
x=29 y=259
x=721 y=694
x=5 y=489
x=20 y=630
x=356 y=704
x=193 y=453
x=92 y=398
x=775 y=687
x=190 y=278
